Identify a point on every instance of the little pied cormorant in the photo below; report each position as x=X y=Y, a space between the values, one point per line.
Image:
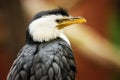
x=47 y=54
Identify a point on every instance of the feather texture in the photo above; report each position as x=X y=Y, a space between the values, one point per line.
x=52 y=60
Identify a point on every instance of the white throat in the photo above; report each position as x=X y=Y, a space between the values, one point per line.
x=44 y=29
x=64 y=38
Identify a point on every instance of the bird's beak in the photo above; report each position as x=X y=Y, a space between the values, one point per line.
x=69 y=21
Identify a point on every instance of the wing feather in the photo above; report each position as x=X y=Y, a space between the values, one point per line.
x=21 y=66
x=52 y=60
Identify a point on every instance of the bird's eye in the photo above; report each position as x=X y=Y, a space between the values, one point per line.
x=57 y=20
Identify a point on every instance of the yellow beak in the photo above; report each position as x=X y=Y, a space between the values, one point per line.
x=69 y=21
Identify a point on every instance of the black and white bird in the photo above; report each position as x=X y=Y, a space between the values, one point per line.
x=47 y=54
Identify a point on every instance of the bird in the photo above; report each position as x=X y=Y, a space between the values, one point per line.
x=47 y=53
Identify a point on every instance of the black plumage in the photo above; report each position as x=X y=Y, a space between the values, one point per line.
x=59 y=11
x=46 y=60
x=52 y=60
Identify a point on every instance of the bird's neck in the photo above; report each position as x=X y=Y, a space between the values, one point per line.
x=64 y=38
x=30 y=40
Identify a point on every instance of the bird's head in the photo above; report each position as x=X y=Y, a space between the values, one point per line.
x=48 y=25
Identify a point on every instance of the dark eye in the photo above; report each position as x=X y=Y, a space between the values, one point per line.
x=57 y=20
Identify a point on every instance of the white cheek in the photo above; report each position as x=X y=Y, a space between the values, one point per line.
x=44 y=29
